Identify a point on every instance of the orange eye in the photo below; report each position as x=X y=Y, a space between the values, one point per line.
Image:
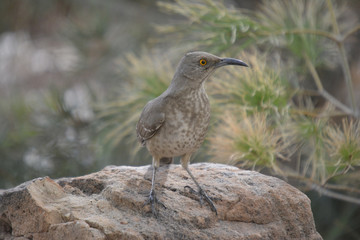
x=203 y=62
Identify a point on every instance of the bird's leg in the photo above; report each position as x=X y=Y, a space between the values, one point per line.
x=202 y=193
x=185 y=163
x=152 y=196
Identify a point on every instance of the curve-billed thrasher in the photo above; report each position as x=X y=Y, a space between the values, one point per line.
x=175 y=123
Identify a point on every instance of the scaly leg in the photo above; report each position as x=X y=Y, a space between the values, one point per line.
x=185 y=163
x=152 y=196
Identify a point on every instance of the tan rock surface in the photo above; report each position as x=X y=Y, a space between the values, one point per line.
x=109 y=204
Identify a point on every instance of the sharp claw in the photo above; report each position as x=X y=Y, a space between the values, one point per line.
x=191 y=189
x=208 y=200
x=152 y=200
x=201 y=199
x=202 y=196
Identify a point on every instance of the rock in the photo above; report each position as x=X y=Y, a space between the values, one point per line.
x=109 y=204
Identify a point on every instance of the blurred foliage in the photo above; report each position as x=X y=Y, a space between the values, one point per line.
x=279 y=116
x=309 y=30
x=269 y=120
x=55 y=142
x=249 y=141
x=260 y=90
x=57 y=64
x=146 y=78
x=343 y=143
x=266 y=117
x=211 y=20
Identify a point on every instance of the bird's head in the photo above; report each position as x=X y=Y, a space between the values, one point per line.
x=196 y=67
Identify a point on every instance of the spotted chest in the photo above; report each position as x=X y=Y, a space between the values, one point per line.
x=185 y=126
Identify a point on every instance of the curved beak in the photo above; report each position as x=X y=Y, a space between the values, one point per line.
x=230 y=61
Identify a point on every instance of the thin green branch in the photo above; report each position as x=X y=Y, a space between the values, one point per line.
x=323 y=92
x=342 y=188
x=302 y=31
x=351 y=32
x=313 y=73
x=344 y=60
x=308 y=92
x=348 y=80
x=336 y=174
x=333 y=17
x=338 y=104
x=310 y=184
x=329 y=193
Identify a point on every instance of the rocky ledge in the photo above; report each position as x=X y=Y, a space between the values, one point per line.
x=109 y=204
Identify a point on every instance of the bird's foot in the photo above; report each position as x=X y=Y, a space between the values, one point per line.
x=202 y=194
x=152 y=200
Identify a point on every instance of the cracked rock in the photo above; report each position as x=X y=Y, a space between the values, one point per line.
x=109 y=204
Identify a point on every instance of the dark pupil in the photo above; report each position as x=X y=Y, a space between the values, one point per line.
x=202 y=62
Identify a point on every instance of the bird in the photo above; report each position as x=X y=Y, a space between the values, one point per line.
x=175 y=123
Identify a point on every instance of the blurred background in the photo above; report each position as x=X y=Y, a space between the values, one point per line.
x=74 y=76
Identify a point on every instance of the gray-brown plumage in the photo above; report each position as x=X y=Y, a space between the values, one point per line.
x=175 y=123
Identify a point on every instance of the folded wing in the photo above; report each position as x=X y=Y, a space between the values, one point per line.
x=151 y=120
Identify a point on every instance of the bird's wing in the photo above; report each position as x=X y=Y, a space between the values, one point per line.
x=151 y=119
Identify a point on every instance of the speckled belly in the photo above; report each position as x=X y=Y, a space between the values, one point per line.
x=183 y=131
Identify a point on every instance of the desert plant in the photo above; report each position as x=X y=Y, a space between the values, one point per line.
x=301 y=40
x=312 y=35
x=260 y=90
x=145 y=78
x=287 y=42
